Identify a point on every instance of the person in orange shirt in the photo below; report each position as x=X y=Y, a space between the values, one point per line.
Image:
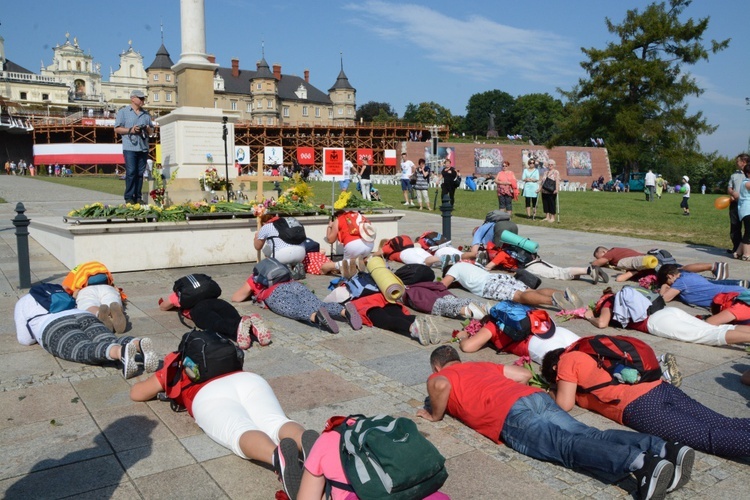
x=507 y=188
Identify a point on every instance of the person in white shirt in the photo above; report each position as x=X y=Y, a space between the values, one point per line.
x=344 y=183
x=650 y=182
x=407 y=169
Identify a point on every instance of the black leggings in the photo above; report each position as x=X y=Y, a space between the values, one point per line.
x=746 y=229
x=217 y=315
x=392 y=318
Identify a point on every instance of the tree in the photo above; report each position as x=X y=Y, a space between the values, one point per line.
x=536 y=115
x=636 y=90
x=481 y=105
x=383 y=111
x=427 y=113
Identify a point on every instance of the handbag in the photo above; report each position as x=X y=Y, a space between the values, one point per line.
x=549 y=185
x=413 y=179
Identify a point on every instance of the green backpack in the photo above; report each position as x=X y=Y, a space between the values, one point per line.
x=387 y=457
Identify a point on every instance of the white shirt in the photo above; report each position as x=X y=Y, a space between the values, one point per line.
x=471 y=277
x=650 y=179
x=27 y=308
x=407 y=168
x=348 y=168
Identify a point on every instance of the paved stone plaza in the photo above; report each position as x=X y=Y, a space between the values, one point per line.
x=69 y=430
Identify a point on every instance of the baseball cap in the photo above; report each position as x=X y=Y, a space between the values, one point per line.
x=686 y=178
x=138 y=93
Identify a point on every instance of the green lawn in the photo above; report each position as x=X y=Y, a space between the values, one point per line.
x=599 y=212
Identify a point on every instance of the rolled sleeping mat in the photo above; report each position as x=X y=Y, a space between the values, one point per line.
x=520 y=242
x=649 y=262
x=388 y=283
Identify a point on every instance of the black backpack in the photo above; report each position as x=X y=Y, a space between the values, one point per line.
x=52 y=297
x=415 y=273
x=193 y=288
x=663 y=256
x=270 y=271
x=290 y=230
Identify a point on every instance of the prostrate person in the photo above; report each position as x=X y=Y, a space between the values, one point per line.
x=78 y=336
x=402 y=249
x=281 y=238
x=633 y=262
x=690 y=288
x=501 y=258
x=656 y=408
x=495 y=401
x=93 y=287
x=238 y=410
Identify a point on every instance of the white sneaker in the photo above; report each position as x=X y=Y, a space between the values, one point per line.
x=476 y=311
x=127 y=358
x=150 y=358
x=418 y=331
x=432 y=331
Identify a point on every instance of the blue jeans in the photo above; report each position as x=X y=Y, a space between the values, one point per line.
x=537 y=427
x=135 y=166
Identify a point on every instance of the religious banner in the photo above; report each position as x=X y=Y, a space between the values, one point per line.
x=444 y=155
x=333 y=163
x=242 y=155
x=364 y=153
x=389 y=157
x=578 y=163
x=488 y=160
x=274 y=155
x=306 y=156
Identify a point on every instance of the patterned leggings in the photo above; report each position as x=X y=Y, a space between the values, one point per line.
x=669 y=413
x=80 y=338
x=449 y=306
x=295 y=301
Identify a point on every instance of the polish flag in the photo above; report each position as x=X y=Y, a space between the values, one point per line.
x=78 y=154
x=390 y=157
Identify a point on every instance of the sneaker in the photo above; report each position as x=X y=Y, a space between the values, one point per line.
x=744 y=283
x=244 y=340
x=419 y=331
x=361 y=264
x=670 y=370
x=119 y=322
x=411 y=203
x=150 y=359
x=404 y=203
x=682 y=457
x=720 y=270
x=259 y=329
x=352 y=316
x=573 y=298
x=308 y=440
x=432 y=330
x=560 y=302
x=477 y=312
x=127 y=358
x=286 y=465
x=603 y=276
x=324 y=321
x=455 y=258
x=593 y=273
x=654 y=478
x=104 y=317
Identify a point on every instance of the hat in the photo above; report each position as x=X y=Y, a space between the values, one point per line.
x=686 y=178
x=541 y=324
x=367 y=231
x=138 y=93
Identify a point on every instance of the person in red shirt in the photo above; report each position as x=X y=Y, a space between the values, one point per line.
x=495 y=401
x=633 y=263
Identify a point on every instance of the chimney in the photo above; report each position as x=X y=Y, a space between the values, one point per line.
x=277 y=71
x=307 y=75
x=235 y=67
x=211 y=58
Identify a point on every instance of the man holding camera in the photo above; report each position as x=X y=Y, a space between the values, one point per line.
x=133 y=123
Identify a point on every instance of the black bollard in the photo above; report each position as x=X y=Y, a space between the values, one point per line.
x=22 y=245
x=446 y=208
x=277 y=188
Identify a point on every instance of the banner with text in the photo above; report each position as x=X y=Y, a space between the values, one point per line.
x=333 y=163
x=306 y=156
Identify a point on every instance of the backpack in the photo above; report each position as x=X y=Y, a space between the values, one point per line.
x=518 y=321
x=530 y=280
x=410 y=274
x=387 y=457
x=193 y=288
x=207 y=354
x=663 y=257
x=361 y=285
x=270 y=271
x=521 y=256
x=52 y=297
x=290 y=230
x=497 y=216
x=500 y=226
x=396 y=245
x=615 y=352
x=433 y=241
x=311 y=246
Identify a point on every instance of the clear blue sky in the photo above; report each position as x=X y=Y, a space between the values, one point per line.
x=396 y=51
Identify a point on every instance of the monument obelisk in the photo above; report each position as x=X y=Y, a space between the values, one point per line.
x=192 y=134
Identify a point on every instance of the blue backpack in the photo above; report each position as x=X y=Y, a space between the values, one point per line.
x=518 y=321
x=52 y=297
x=361 y=285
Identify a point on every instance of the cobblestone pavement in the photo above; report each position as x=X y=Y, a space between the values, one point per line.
x=71 y=430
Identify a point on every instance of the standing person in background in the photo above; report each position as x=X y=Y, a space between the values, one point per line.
x=133 y=123
x=344 y=183
x=733 y=190
x=451 y=179
x=507 y=187
x=407 y=168
x=531 y=186
x=365 y=171
x=423 y=184
x=549 y=198
x=660 y=185
x=650 y=183
x=685 y=190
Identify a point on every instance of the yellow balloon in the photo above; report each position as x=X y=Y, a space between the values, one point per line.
x=722 y=202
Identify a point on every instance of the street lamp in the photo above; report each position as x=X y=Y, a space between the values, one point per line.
x=226 y=155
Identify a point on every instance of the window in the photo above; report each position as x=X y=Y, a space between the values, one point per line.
x=269 y=103
x=156 y=77
x=234 y=105
x=341 y=111
x=259 y=86
x=349 y=97
x=258 y=104
x=249 y=107
x=269 y=121
x=45 y=97
x=349 y=112
x=330 y=113
x=155 y=97
x=259 y=121
x=286 y=111
x=304 y=110
x=168 y=78
x=216 y=104
x=78 y=65
x=24 y=96
x=317 y=112
x=168 y=97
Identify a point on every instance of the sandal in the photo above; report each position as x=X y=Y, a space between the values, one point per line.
x=746 y=258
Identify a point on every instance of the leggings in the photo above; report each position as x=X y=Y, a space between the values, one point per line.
x=80 y=338
x=669 y=413
x=746 y=226
x=449 y=306
x=392 y=318
x=217 y=315
x=295 y=301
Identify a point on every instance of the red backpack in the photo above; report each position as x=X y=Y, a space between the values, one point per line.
x=391 y=248
x=611 y=351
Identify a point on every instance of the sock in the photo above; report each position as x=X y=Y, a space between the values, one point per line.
x=639 y=462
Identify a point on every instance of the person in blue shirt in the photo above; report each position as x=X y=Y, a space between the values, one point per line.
x=692 y=289
x=133 y=124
